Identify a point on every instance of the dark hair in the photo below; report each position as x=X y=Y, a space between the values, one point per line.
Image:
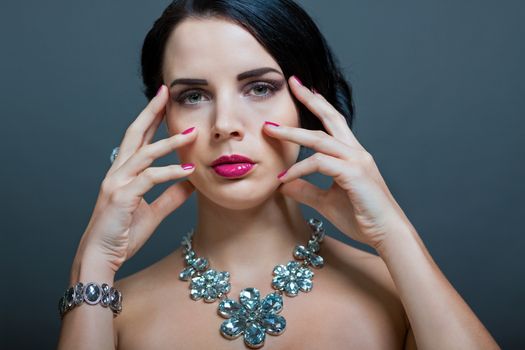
x=282 y=27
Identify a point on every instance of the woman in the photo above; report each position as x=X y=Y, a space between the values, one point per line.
x=257 y=80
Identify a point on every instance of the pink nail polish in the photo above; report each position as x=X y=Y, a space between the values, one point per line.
x=187 y=166
x=281 y=174
x=187 y=131
x=298 y=80
x=271 y=123
x=158 y=91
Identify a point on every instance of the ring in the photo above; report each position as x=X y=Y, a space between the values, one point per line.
x=114 y=154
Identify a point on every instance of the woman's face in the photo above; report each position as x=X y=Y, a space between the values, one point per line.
x=228 y=108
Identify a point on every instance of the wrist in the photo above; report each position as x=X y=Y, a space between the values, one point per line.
x=91 y=266
x=398 y=239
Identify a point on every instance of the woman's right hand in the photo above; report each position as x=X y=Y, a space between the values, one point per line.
x=122 y=220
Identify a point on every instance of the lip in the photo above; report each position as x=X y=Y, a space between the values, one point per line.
x=229 y=159
x=234 y=165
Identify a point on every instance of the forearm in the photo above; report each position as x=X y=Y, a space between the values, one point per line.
x=439 y=317
x=88 y=326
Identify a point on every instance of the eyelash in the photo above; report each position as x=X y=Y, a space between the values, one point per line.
x=273 y=86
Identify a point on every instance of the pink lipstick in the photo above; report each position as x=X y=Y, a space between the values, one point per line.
x=234 y=165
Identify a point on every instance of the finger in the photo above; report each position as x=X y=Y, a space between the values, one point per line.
x=318 y=162
x=304 y=192
x=136 y=132
x=151 y=177
x=153 y=129
x=143 y=158
x=333 y=121
x=315 y=139
x=172 y=198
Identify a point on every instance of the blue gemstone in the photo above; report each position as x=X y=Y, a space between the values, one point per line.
x=254 y=335
x=274 y=324
x=300 y=252
x=249 y=298
x=228 y=308
x=292 y=289
x=306 y=285
x=280 y=270
x=278 y=282
x=317 y=261
x=272 y=303
x=186 y=273
x=232 y=328
x=292 y=266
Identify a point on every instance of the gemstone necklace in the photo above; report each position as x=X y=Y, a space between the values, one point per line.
x=251 y=316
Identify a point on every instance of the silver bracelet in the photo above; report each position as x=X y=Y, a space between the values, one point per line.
x=92 y=293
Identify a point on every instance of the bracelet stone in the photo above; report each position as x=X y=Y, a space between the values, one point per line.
x=92 y=293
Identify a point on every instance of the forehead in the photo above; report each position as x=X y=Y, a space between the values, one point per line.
x=213 y=46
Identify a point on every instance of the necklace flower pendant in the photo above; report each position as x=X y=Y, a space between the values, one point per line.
x=210 y=285
x=194 y=265
x=252 y=317
x=292 y=278
x=309 y=254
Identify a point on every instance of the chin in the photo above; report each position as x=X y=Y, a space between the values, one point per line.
x=238 y=195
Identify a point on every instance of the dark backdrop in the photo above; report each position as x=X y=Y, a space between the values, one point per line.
x=439 y=90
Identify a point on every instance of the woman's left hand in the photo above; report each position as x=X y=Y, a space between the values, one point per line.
x=359 y=202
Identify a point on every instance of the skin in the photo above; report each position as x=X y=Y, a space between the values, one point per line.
x=359 y=300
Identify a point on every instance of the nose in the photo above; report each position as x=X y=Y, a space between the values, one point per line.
x=228 y=122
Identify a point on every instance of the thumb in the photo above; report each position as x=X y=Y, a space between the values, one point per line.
x=304 y=192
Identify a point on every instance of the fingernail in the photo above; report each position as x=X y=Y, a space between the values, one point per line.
x=158 y=91
x=281 y=174
x=271 y=123
x=187 y=131
x=187 y=166
x=298 y=80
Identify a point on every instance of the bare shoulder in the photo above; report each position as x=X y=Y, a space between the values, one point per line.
x=367 y=277
x=139 y=292
x=145 y=281
x=359 y=264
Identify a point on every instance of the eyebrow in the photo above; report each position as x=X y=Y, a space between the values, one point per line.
x=245 y=75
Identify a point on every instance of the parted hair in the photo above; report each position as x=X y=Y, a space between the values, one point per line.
x=282 y=27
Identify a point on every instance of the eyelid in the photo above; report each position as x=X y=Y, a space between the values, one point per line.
x=185 y=93
x=273 y=84
x=250 y=86
x=277 y=83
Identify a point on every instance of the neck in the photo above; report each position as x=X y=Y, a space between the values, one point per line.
x=248 y=243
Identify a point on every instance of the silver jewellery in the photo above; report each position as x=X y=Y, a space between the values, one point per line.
x=114 y=154
x=92 y=293
x=251 y=316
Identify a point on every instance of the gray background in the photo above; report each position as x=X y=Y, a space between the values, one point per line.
x=439 y=90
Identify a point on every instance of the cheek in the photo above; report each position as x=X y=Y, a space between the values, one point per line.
x=290 y=112
x=283 y=111
x=177 y=123
x=292 y=119
x=178 y=120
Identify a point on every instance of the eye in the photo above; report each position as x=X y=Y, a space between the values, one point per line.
x=263 y=89
x=191 y=97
